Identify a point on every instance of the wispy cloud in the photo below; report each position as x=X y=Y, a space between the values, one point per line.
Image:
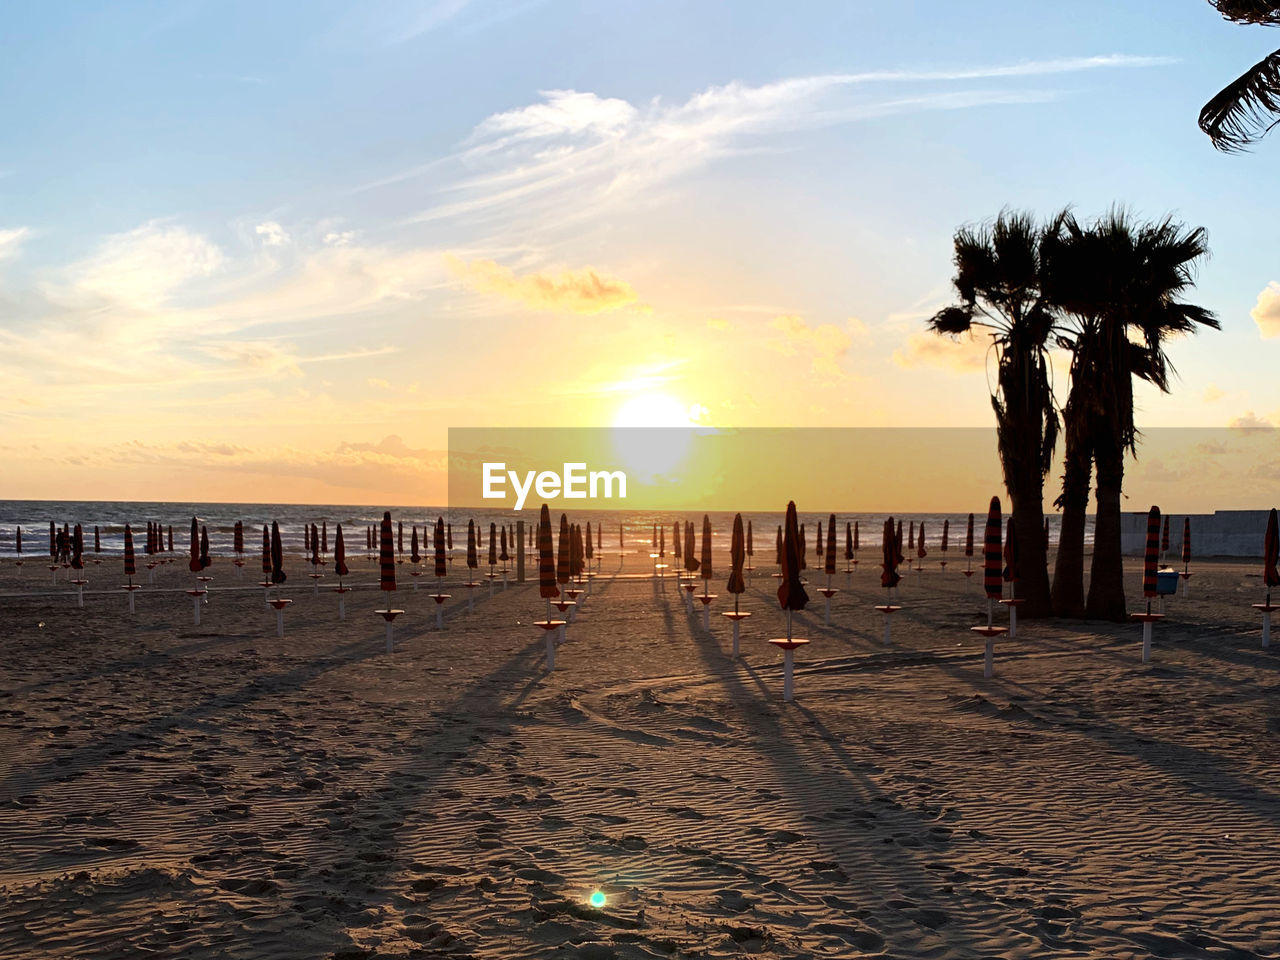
x=582 y=291
x=11 y=241
x=825 y=345
x=963 y=355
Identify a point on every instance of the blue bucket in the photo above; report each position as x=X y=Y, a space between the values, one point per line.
x=1167 y=582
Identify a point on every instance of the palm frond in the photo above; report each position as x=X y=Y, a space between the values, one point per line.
x=1245 y=110
x=1249 y=11
x=952 y=321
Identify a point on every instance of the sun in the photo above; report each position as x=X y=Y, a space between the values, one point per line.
x=654 y=410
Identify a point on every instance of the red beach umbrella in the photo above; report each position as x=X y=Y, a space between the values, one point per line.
x=855 y=536
x=339 y=554
x=97 y=541
x=829 y=566
x=441 y=567
x=778 y=549
x=897 y=546
x=238 y=546
x=504 y=556
x=1151 y=558
x=575 y=551
x=751 y=549
x=1011 y=569
x=386 y=554
x=17 y=538
x=991 y=569
x=473 y=561
x=205 y=559
x=1186 y=540
x=171 y=538
x=493 y=549
x=194 y=564
x=675 y=540
x=306 y=539
x=911 y=537
x=946 y=534
x=278 y=576
x=315 y=546
x=818 y=545
x=921 y=552
x=546 y=557
x=691 y=563
x=848 y=540
x=590 y=549
x=399 y=538
x=889 y=575
x=324 y=536
x=968 y=539
x=804 y=563
x=1271 y=551
x=77 y=549
x=737 y=555
x=562 y=551
x=53 y=540
x=706 y=547
x=414 y=556
x=130 y=562
x=662 y=543
x=791 y=592
x=448 y=535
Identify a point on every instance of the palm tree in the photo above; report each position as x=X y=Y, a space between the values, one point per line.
x=1248 y=107
x=1118 y=282
x=998 y=278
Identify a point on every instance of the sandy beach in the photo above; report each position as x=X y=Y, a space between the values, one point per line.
x=213 y=792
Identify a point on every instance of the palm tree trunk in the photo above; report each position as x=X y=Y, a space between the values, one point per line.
x=1033 y=580
x=1068 y=571
x=1106 y=576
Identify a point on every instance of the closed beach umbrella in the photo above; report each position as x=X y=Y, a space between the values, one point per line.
x=575 y=551
x=751 y=550
x=97 y=541
x=562 y=551
x=171 y=538
x=1164 y=537
x=53 y=540
x=968 y=539
x=441 y=568
x=1271 y=550
x=889 y=576
x=473 y=560
x=266 y=553
x=1151 y=557
x=315 y=547
x=324 y=536
x=818 y=544
x=848 y=540
x=911 y=537
x=1186 y=540
x=205 y=560
x=706 y=547
x=387 y=553
x=675 y=539
x=791 y=592
x=830 y=559
x=493 y=549
x=306 y=540
x=921 y=552
x=414 y=556
x=991 y=569
x=194 y=564
x=448 y=535
x=504 y=556
x=690 y=561
x=946 y=533
x=737 y=556
x=1011 y=569
x=804 y=563
x=130 y=562
x=339 y=553
x=662 y=542
x=399 y=538
x=777 y=547
x=17 y=539
x=855 y=536
x=546 y=557
x=77 y=549
x=591 y=551
x=278 y=576
x=238 y=546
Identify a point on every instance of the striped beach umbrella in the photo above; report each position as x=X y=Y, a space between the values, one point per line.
x=387 y=553
x=339 y=554
x=171 y=538
x=97 y=540
x=829 y=566
x=991 y=553
x=194 y=564
x=737 y=556
x=1151 y=556
x=889 y=576
x=562 y=551
x=1012 y=571
x=414 y=556
x=706 y=547
x=130 y=562
x=791 y=592
x=546 y=557
x=946 y=534
x=278 y=576
x=238 y=545
x=441 y=566
x=1186 y=541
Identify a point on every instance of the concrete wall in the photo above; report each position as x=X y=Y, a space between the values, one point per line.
x=1224 y=533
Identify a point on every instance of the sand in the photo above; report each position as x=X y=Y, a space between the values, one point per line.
x=214 y=792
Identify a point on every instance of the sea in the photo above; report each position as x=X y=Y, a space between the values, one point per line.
x=635 y=529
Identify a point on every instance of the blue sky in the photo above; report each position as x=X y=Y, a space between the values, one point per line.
x=324 y=232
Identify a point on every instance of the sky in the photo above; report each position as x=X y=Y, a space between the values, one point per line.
x=275 y=251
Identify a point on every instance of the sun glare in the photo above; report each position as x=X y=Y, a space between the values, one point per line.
x=653 y=410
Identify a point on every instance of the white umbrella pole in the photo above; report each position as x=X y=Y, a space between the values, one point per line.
x=987 y=657
x=1146 y=641
x=280 y=624
x=1266 y=628
x=551 y=650
x=439 y=616
x=735 y=639
x=788 y=660
x=195 y=606
x=390 y=643
x=130 y=601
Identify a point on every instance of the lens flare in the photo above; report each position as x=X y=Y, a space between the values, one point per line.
x=597 y=899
